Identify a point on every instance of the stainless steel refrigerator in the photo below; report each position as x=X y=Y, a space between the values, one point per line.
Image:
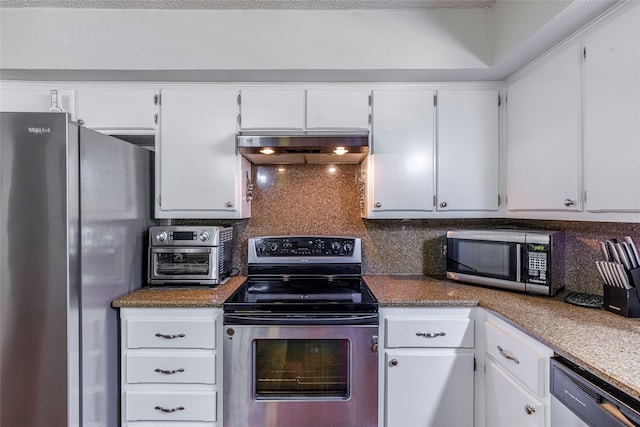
x=75 y=208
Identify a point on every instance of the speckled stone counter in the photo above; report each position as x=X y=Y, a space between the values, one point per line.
x=604 y=343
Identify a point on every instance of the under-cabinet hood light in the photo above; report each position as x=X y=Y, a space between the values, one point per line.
x=267 y=151
x=340 y=151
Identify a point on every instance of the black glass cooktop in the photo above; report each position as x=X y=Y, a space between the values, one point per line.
x=278 y=295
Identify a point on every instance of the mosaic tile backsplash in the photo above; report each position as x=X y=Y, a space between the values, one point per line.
x=324 y=200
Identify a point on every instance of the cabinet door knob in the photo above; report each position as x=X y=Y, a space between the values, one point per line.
x=229 y=204
x=393 y=362
x=569 y=202
x=443 y=204
x=529 y=409
x=378 y=205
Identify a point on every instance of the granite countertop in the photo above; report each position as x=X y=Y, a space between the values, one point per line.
x=603 y=343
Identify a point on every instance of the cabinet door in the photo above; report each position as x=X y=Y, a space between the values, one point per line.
x=110 y=108
x=429 y=388
x=196 y=153
x=34 y=99
x=543 y=136
x=507 y=403
x=272 y=109
x=612 y=115
x=339 y=108
x=468 y=157
x=401 y=168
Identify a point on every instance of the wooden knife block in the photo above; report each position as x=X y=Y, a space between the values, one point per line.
x=624 y=302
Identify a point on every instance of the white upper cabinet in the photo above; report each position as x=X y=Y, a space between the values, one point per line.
x=200 y=175
x=612 y=115
x=401 y=165
x=34 y=99
x=543 y=137
x=286 y=108
x=338 y=109
x=117 y=108
x=468 y=150
x=272 y=109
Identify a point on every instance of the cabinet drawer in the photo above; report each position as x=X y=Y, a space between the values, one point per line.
x=177 y=406
x=188 y=333
x=180 y=368
x=429 y=332
x=523 y=362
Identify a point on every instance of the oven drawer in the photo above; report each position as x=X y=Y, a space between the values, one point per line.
x=440 y=332
x=517 y=358
x=177 y=406
x=193 y=367
x=178 y=333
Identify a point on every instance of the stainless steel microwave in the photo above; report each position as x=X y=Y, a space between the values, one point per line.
x=530 y=261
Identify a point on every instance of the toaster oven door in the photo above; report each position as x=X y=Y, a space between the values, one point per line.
x=183 y=265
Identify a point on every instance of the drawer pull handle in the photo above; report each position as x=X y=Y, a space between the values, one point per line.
x=529 y=409
x=508 y=356
x=173 y=371
x=170 y=337
x=161 y=409
x=430 y=334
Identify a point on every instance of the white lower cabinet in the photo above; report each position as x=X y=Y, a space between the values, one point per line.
x=170 y=367
x=516 y=377
x=427 y=372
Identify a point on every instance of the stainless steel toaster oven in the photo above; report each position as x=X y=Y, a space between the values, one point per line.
x=189 y=255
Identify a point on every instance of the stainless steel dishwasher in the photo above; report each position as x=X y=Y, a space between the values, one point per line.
x=580 y=398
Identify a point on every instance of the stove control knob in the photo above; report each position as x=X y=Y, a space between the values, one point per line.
x=261 y=247
x=204 y=236
x=348 y=247
x=161 y=236
x=335 y=246
x=273 y=246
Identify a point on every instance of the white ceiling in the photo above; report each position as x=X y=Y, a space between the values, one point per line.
x=255 y=4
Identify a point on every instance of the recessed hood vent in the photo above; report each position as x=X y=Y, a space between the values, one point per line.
x=316 y=147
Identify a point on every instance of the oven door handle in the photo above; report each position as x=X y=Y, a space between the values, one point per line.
x=355 y=319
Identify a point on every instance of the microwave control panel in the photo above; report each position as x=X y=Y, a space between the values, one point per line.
x=538 y=264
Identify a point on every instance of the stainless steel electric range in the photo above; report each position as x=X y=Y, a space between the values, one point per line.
x=301 y=337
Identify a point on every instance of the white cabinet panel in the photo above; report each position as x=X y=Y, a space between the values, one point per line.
x=35 y=99
x=507 y=403
x=114 y=108
x=200 y=175
x=414 y=331
x=429 y=388
x=401 y=162
x=468 y=150
x=272 y=108
x=612 y=115
x=543 y=136
x=337 y=108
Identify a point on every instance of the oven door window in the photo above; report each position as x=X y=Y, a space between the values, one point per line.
x=301 y=369
x=183 y=262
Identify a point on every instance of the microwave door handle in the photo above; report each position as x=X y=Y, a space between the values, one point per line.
x=518 y=261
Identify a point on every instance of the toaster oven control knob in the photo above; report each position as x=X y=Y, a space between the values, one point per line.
x=161 y=236
x=204 y=236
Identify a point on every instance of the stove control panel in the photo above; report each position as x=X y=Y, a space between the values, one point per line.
x=303 y=246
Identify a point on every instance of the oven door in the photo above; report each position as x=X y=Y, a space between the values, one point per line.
x=294 y=375
x=183 y=265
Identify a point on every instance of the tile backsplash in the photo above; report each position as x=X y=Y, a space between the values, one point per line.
x=324 y=200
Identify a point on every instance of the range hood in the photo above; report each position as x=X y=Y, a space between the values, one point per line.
x=317 y=147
